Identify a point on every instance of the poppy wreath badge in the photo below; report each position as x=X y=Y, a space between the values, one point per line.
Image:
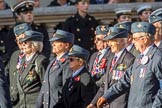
x=119 y=72
x=62 y=60
x=77 y=79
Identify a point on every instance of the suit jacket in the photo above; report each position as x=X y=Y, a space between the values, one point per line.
x=92 y=60
x=81 y=91
x=11 y=73
x=83 y=29
x=143 y=80
x=134 y=51
x=125 y=60
x=30 y=81
x=54 y=79
x=5 y=101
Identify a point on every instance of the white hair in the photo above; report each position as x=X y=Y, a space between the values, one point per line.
x=37 y=46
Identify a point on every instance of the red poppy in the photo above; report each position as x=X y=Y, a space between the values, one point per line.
x=103 y=63
x=77 y=78
x=62 y=60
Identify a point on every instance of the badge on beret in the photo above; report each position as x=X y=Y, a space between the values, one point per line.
x=144 y=60
x=103 y=28
x=121 y=26
x=139 y=25
x=71 y=50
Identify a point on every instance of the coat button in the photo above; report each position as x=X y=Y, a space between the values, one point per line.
x=11 y=87
x=44 y=81
x=43 y=103
x=47 y=92
x=79 y=39
x=47 y=103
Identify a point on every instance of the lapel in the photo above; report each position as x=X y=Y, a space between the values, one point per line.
x=28 y=68
x=92 y=60
x=150 y=53
x=160 y=46
x=120 y=60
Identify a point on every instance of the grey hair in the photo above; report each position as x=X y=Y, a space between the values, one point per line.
x=37 y=46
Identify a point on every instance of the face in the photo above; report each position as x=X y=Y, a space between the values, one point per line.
x=27 y=16
x=115 y=45
x=2 y=5
x=75 y=63
x=158 y=34
x=18 y=41
x=144 y=16
x=37 y=3
x=129 y=39
x=100 y=44
x=59 y=47
x=82 y=7
x=123 y=18
x=139 y=41
x=27 y=47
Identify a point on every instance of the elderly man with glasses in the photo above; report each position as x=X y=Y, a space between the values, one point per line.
x=144 y=78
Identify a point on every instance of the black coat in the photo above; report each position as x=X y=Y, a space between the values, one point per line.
x=81 y=91
x=83 y=30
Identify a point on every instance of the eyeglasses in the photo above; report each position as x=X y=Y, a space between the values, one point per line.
x=71 y=59
x=137 y=38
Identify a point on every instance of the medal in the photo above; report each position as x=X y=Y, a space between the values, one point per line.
x=144 y=60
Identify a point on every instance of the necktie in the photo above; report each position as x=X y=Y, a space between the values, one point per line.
x=113 y=62
x=96 y=65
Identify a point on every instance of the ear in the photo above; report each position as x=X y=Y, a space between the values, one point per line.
x=19 y=17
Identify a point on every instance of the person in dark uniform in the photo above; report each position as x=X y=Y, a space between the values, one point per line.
x=14 y=63
x=31 y=71
x=99 y=59
x=156 y=19
x=82 y=25
x=24 y=12
x=116 y=66
x=5 y=101
x=80 y=88
x=61 y=3
x=130 y=47
x=57 y=71
x=144 y=77
x=123 y=14
x=144 y=11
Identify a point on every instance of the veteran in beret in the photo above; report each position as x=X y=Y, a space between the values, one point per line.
x=123 y=14
x=130 y=46
x=14 y=63
x=82 y=25
x=30 y=72
x=116 y=66
x=24 y=13
x=80 y=88
x=156 y=19
x=144 y=78
x=98 y=60
x=57 y=71
x=144 y=11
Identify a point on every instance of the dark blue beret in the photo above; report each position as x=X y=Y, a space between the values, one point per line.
x=77 y=51
x=21 y=28
x=156 y=16
x=102 y=29
x=125 y=24
x=32 y=36
x=63 y=36
x=143 y=27
x=115 y=32
x=24 y=6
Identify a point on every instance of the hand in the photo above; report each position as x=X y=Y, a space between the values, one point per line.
x=101 y=101
x=91 y=106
